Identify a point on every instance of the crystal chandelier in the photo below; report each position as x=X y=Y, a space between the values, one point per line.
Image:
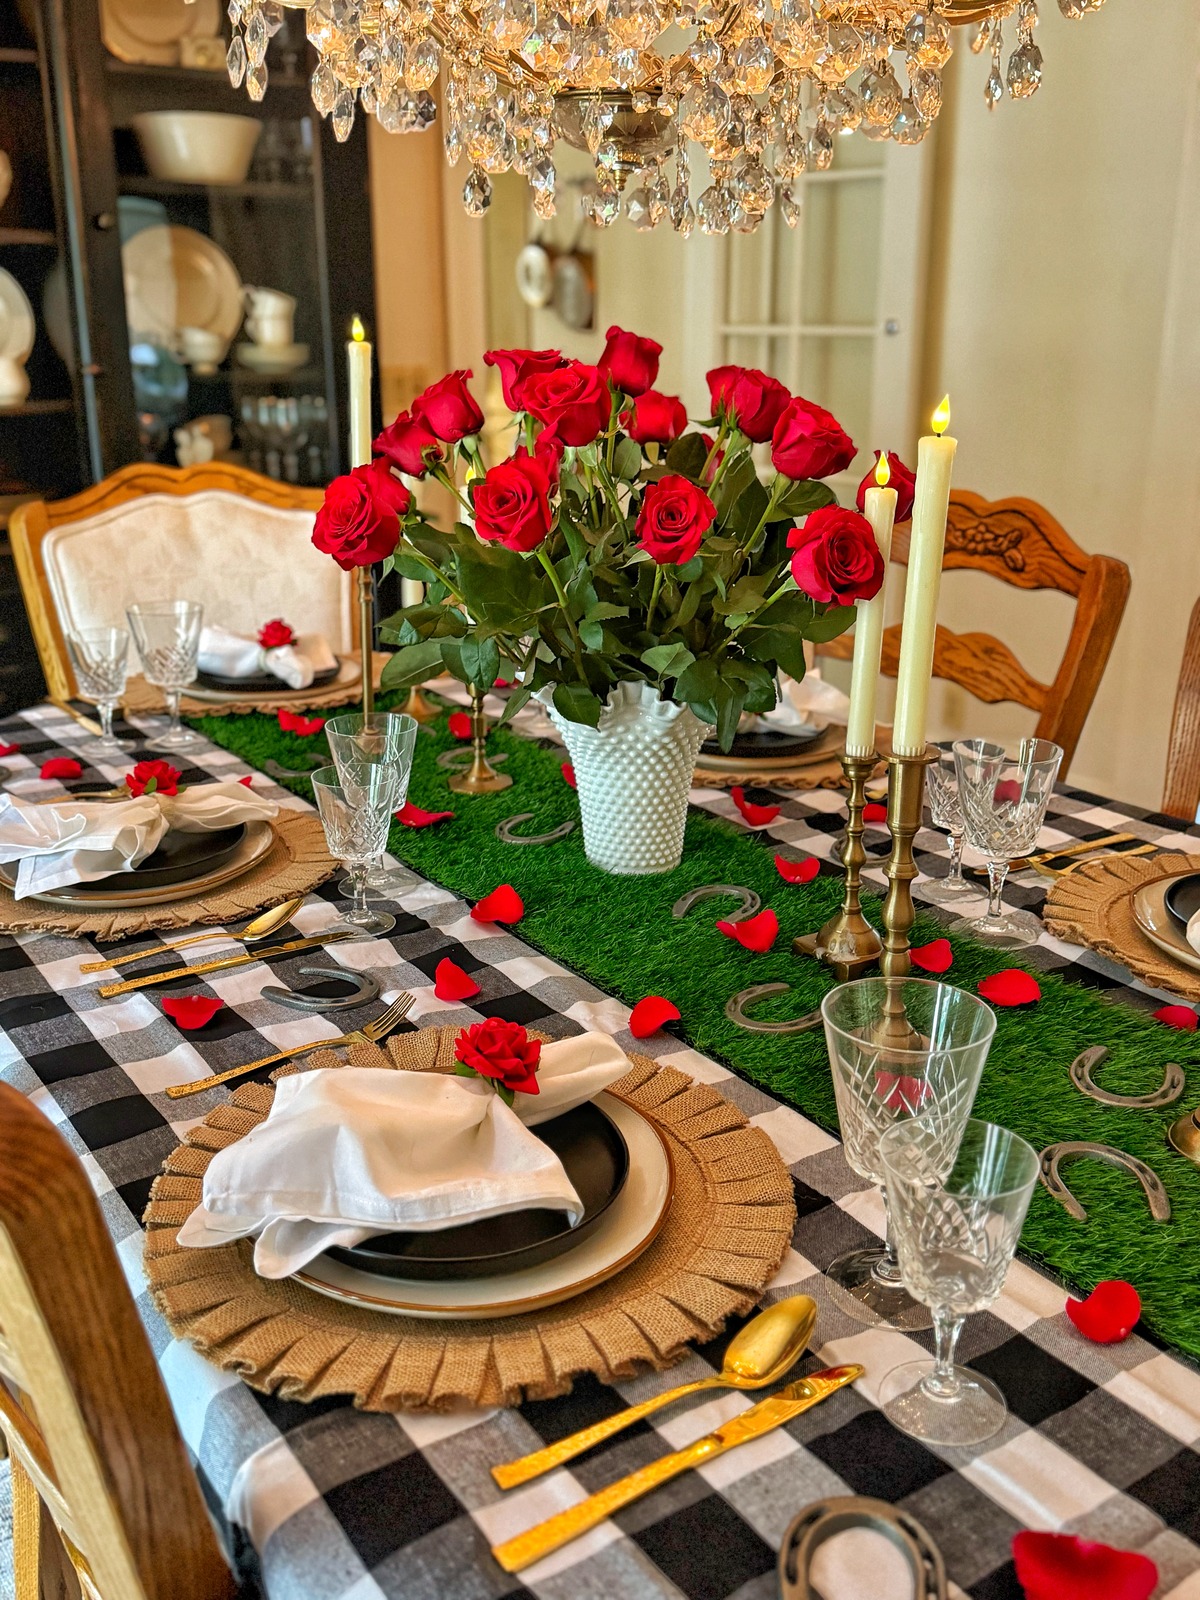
x=754 y=92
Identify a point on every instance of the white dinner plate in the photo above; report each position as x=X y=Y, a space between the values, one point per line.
x=348 y=676
x=147 y=32
x=1152 y=917
x=17 y=324
x=631 y=1225
x=178 y=278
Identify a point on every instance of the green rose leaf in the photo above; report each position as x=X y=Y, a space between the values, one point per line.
x=667 y=660
x=577 y=703
x=474 y=661
x=687 y=456
x=414 y=664
x=699 y=686
x=627 y=460
x=689 y=570
x=517 y=698
x=804 y=496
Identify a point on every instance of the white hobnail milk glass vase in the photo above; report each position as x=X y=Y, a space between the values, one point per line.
x=633 y=773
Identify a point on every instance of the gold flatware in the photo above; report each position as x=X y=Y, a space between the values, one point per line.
x=87 y=723
x=175 y=974
x=1080 y=847
x=253 y=933
x=371 y=1033
x=1048 y=871
x=757 y=1356
x=531 y=1546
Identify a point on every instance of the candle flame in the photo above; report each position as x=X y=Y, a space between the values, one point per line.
x=357 y=332
x=883 y=472
x=941 y=417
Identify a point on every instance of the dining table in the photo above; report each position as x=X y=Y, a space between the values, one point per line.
x=323 y=1501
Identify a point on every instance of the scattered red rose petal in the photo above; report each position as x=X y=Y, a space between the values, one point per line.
x=874 y=811
x=459 y=723
x=1007 y=790
x=901 y=1093
x=502 y=905
x=935 y=957
x=756 y=816
x=1059 y=1566
x=290 y=722
x=248 y=781
x=501 y=683
x=797 y=871
x=9 y=749
x=411 y=816
x=648 y=1015
x=61 y=767
x=753 y=933
x=450 y=982
x=1109 y=1313
x=1010 y=988
x=568 y=772
x=1174 y=1016
x=192 y=1010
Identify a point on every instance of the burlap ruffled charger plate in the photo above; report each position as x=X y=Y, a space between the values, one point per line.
x=297 y=861
x=1095 y=906
x=142 y=699
x=726 y=1232
x=817 y=766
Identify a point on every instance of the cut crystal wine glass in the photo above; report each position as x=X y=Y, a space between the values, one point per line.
x=1004 y=800
x=167 y=635
x=99 y=658
x=945 y=808
x=359 y=743
x=878 y=1085
x=957 y=1222
x=356 y=826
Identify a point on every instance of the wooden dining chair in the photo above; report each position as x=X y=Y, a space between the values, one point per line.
x=1181 y=791
x=239 y=543
x=1020 y=543
x=105 y=1503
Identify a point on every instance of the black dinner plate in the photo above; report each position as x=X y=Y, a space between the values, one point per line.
x=768 y=744
x=180 y=857
x=590 y=1147
x=261 y=681
x=1183 y=900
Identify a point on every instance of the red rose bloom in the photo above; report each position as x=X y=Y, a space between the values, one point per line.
x=448 y=408
x=810 y=443
x=547 y=452
x=655 y=418
x=410 y=444
x=902 y=480
x=517 y=365
x=275 y=633
x=385 y=485
x=750 y=399
x=512 y=504
x=835 y=557
x=356 y=525
x=629 y=362
x=573 y=401
x=153 y=777
x=674 y=518
x=502 y=1051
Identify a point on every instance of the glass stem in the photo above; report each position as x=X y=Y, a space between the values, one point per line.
x=358 y=877
x=997 y=874
x=956 y=855
x=106 y=709
x=172 y=698
x=887 y=1268
x=943 y=1381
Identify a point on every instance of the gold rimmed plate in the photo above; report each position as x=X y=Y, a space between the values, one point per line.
x=629 y=1227
x=348 y=676
x=823 y=747
x=1153 y=917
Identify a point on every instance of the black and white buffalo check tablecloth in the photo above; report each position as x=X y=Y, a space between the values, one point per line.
x=323 y=1502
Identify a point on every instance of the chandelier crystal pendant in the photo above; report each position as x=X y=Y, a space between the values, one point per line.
x=754 y=92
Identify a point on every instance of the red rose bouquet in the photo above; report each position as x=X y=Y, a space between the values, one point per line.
x=617 y=542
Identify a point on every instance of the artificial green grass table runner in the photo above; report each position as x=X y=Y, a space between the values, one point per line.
x=619 y=933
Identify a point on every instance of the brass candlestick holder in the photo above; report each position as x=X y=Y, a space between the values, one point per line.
x=481 y=776
x=366 y=637
x=417 y=707
x=848 y=944
x=906 y=794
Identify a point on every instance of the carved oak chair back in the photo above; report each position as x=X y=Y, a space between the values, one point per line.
x=1181 y=793
x=106 y=1505
x=238 y=543
x=1020 y=543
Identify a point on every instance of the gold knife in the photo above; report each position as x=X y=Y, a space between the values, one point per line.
x=177 y=974
x=531 y=1546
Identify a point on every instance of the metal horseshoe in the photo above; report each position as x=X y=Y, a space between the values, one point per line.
x=273 y=769
x=1086 y=1063
x=751 y=903
x=504 y=830
x=454 y=760
x=825 y=1519
x=365 y=989
x=1054 y=1155
x=735 y=1010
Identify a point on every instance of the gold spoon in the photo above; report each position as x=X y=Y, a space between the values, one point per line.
x=254 y=932
x=758 y=1355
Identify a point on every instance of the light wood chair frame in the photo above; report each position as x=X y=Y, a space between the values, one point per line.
x=1019 y=542
x=106 y=1505
x=1181 y=791
x=31 y=522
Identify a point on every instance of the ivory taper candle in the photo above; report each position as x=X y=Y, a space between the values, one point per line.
x=358 y=362
x=880 y=508
x=935 y=464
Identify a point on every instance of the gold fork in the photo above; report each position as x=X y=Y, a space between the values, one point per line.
x=370 y=1033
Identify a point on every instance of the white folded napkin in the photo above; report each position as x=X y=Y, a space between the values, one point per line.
x=347 y=1152
x=77 y=841
x=233 y=655
x=807 y=706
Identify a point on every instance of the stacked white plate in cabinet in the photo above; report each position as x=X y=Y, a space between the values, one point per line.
x=177 y=278
x=17 y=332
x=148 y=32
